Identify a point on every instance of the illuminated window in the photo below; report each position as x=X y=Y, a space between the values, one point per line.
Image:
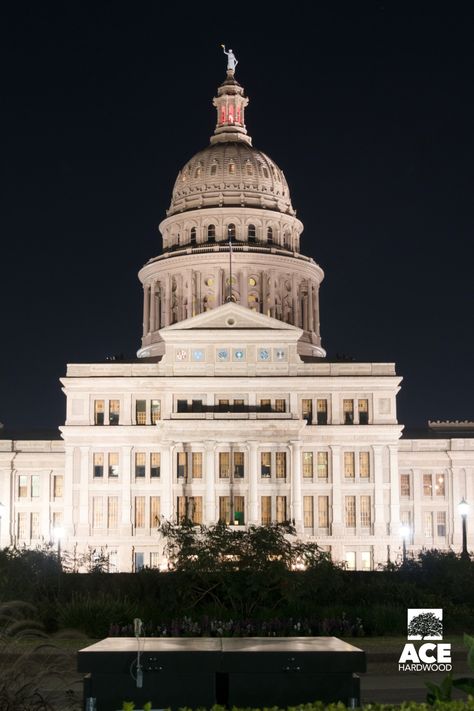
x=154 y=559
x=253 y=302
x=224 y=465
x=99 y=410
x=198 y=171
x=251 y=233
x=308 y=465
x=265 y=465
x=307 y=411
x=57 y=519
x=35 y=525
x=239 y=510
x=112 y=512
x=323 y=511
x=113 y=464
x=238 y=116
x=232 y=168
x=155 y=462
x=154 y=511
x=140 y=412
x=439 y=485
x=348 y=409
x=98 y=465
x=197 y=465
x=239 y=405
x=366 y=560
x=363 y=406
x=428 y=524
x=252 y=281
x=281 y=516
x=211 y=233
x=270 y=235
x=224 y=509
x=22 y=525
x=405 y=485
x=214 y=167
x=350 y=560
x=308 y=511
x=224 y=405
x=139 y=512
x=155 y=411
x=193 y=232
x=350 y=511
x=322 y=412
x=140 y=464
x=231 y=231
x=239 y=465
x=231 y=113
x=322 y=465
x=266 y=404
x=349 y=468
x=181 y=512
x=114 y=412
x=364 y=465
x=195 y=509
x=58 y=482
x=222 y=120
x=266 y=510
x=97 y=512
x=281 y=465
x=441 y=524
x=35 y=486
x=248 y=168
x=182 y=465
x=280 y=405
x=365 y=511
x=427 y=485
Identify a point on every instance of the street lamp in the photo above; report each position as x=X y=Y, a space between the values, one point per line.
x=463 y=508
x=3 y=508
x=405 y=532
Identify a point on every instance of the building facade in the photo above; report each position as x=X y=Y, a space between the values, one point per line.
x=231 y=411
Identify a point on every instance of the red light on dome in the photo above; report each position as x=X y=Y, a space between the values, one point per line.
x=223 y=114
x=231 y=113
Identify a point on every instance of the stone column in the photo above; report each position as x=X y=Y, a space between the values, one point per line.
x=380 y=528
x=210 y=479
x=83 y=526
x=152 y=306
x=297 y=502
x=316 y=310
x=146 y=309
x=127 y=503
x=304 y=298
x=296 y=321
x=68 y=492
x=272 y=293
x=189 y=276
x=394 y=492
x=336 y=471
x=254 y=517
x=310 y=307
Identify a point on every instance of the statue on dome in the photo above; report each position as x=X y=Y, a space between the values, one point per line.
x=232 y=60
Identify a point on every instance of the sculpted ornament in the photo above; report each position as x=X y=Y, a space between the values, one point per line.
x=231 y=58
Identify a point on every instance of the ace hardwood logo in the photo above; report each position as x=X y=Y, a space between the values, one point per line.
x=422 y=625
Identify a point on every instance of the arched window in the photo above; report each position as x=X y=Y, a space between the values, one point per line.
x=213 y=168
x=211 y=233
x=197 y=172
x=231 y=232
x=287 y=241
x=265 y=173
x=251 y=233
x=269 y=235
x=231 y=167
x=193 y=235
x=249 y=168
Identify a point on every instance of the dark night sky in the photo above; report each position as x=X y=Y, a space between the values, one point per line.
x=368 y=107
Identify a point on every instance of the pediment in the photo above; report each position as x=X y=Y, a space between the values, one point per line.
x=233 y=317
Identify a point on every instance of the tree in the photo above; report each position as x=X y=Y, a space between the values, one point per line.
x=426 y=625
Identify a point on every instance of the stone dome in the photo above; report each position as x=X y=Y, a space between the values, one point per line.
x=231 y=173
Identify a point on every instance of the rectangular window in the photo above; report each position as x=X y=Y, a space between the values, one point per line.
x=99 y=410
x=441 y=524
x=139 y=561
x=266 y=510
x=139 y=512
x=239 y=405
x=35 y=525
x=366 y=560
x=239 y=510
x=280 y=405
x=224 y=405
x=195 y=509
x=98 y=465
x=365 y=512
x=427 y=485
x=307 y=411
x=112 y=512
x=405 y=485
x=22 y=525
x=281 y=516
x=22 y=486
x=197 y=465
x=224 y=465
x=224 y=509
x=155 y=511
x=35 y=486
x=439 y=485
x=281 y=465
x=350 y=560
x=322 y=465
x=155 y=465
x=323 y=511
x=58 y=483
x=348 y=411
x=428 y=524
x=182 y=465
x=266 y=465
x=181 y=513
x=182 y=405
x=154 y=560
x=155 y=411
x=349 y=469
x=266 y=405
x=113 y=465
x=57 y=519
x=114 y=412
x=239 y=465
x=97 y=512
x=350 y=511
x=140 y=464
x=364 y=465
x=308 y=465
x=322 y=412
x=140 y=412
x=308 y=511
x=405 y=518
x=363 y=407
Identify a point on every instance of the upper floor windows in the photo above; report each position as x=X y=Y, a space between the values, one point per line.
x=100 y=412
x=322 y=412
x=436 y=487
x=273 y=462
x=270 y=235
x=193 y=235
x=356 y=466
x=231 y=232
x=251 y=233
x=147 y=463
x=100 y=459
x=211 y=233
x=28 y=486
x=405 y=489
x=147 y=411
x=348 y=411
x=362 y=411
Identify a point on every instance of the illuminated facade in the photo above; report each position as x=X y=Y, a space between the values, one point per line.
x=231 y=410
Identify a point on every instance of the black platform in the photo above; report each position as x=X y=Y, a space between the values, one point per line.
x=247 y=671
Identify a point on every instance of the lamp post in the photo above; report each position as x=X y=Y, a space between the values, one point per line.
x=405 y=531
x=3 y=508
x=463 y=508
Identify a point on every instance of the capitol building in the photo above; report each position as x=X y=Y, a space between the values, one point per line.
x=231 y=410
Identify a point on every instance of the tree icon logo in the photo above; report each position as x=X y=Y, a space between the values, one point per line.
x=425 y=624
